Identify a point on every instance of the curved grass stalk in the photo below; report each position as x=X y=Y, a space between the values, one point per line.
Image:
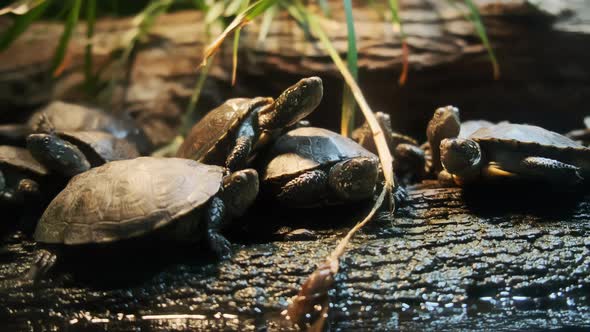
x=347 y=120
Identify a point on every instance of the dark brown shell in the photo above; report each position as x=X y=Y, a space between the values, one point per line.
x=72 y=117
x=21 y=159
x=209 y=139
x=127 y=198
x=100 y=147
x=309 y=148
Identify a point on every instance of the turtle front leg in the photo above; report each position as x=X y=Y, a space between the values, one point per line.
x=304 y=189
x=215 y=223
x=245 y=140
x=42 y=264
x=552 y=170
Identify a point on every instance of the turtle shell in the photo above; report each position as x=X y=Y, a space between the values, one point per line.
x=210 y=139
x=100 y=147
x=21 y=160
x=127 y=198
x=309 y=148
x=72 y=117
x=532 y=141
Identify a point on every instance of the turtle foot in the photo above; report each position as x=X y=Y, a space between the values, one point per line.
x=42 y=264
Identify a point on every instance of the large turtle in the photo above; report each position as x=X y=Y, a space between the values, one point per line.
x=314 y=166
x=165 y=199
x=227 y=135
x=515 y=151
x=73 y=117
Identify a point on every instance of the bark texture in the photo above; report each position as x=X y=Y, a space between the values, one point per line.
x=451 y=260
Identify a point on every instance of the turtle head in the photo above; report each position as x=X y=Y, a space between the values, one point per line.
x=295 y=103
x=445 y=123
x=240 y=189
x=56 y=154
x=459 y=156
x=355 y=178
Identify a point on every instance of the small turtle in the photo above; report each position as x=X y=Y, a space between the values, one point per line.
x=20 y=175
x=71 y=153
x=72 y=117
x=313 y=166
x=508 y=150
x=409 y=160
x=227 y=135
x=581 y=135
x=164 y=199
x=445 y=123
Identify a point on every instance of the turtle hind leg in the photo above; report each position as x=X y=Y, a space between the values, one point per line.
x=552 y=170
x=42 y=264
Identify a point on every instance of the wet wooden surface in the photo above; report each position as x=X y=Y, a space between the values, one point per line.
x=451 y=260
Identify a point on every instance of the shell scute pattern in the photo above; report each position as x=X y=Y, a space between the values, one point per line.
x=127 y=198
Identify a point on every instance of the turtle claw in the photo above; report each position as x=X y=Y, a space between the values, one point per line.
x=43 y=262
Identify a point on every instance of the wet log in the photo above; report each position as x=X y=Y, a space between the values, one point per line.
x=452 y=259
x=542 y=54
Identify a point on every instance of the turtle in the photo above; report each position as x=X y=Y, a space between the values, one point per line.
x=581 y=135
x=228 y=134
x=445 y=123
x=172 y=200
x=73 y=117
x=72 y=152
x=311 y=166
x=515 y=151
x=409 y=159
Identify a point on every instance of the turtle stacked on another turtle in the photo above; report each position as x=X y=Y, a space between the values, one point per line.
x=230 y=134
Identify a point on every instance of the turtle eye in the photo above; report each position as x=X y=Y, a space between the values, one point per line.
x=46 y=140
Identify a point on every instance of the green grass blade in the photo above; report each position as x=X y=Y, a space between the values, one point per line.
x=481 y=31
x=187 y=119
x=347 y=121
x=88 y=65
x=236 y=47
x=398 y=27
x=384 y=153
x=325 y=6
x=70 y=24
x=20 y=25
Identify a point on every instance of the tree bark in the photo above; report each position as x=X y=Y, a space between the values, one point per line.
x=542 y=55
x=451 y=259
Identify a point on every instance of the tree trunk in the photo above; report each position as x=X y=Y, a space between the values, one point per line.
x=451 y=259
x=543 y=58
